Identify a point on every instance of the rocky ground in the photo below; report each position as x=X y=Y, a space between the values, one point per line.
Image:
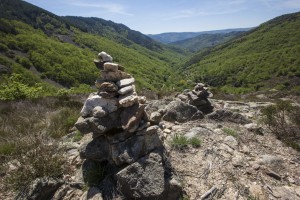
x=247 y=162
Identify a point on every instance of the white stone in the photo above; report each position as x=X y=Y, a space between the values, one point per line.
x=125 y=90
x=109 y=105
x=128 y=100
x=99 y=112
x=125 y=82
x=105 y=57
x=109 y=66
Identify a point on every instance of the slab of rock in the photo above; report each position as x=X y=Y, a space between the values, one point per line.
x=109 y=66
x=143 y=179
x=98 y=149
x=128 y=100
x=226 y=115
x=114 y=76
x=125 y=82
x=99 y=112
x=109 y=105
x=131 y=117
x=125 y=90
x=231 y=142
x=181 y=112
x=269 y=160
x=197 y=131
x=99 y=126
x=108 y=95
x=155 y=117
x=107 y=87
x=42 y=188
x=136 y=146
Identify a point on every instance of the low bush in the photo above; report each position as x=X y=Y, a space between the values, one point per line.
x=282 y=119
x=180 y=142
x=230 y=131
x=62 y=122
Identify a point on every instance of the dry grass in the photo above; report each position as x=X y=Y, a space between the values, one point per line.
x=29 y=141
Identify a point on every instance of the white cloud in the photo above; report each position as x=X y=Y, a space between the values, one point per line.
x=106 y=7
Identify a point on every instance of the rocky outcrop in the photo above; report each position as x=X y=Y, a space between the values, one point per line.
x=124 y=139
x=198 y=97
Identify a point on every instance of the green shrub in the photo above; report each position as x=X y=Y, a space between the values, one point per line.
x=77 y=137
x=282 y=119
x=231 y=132
x=195 y=142
x=179 y=141
x=41 y=160
x=62 y=122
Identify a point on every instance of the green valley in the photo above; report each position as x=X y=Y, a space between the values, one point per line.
x=266 y=57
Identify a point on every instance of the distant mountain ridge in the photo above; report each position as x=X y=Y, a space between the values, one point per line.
x=206 y=40
x=171 y=37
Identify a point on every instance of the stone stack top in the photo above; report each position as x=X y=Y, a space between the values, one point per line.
x=116 y=95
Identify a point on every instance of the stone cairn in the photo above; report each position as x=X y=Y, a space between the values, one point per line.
x=198 y=97
x=124 y=140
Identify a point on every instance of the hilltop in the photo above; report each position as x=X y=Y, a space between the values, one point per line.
x=173 y=37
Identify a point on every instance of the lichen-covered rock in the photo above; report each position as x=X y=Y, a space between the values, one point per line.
x=128 y=100
x=107 y=87
x=131 y=117
x=109 y=105
x=181 y=112
x=147 y=179
x=114 y=76
x=227 y=115
x=108 y=66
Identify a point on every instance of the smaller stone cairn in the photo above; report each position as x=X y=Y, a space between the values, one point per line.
x=198 y=97
x=123 y=138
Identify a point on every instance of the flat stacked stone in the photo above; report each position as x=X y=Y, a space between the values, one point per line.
x=122 y=133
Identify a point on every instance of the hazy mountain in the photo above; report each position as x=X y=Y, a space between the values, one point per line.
x=206 y=40
x=172 y=37
x=265 y=57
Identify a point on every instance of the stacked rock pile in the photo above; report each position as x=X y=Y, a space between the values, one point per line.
x=123 y=137
x=198 y=97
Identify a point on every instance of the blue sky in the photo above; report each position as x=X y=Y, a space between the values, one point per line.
x=158 y=16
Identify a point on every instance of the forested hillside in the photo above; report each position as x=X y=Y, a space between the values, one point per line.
x=266 y=57
x=37 y=46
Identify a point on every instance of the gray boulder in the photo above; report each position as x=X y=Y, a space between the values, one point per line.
x=99 y=126
x=181 y=112
x=98 y=149
x=146 y=179
x=131 y=117
x=109 y=105
x=41 y=188
x=227 y=115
